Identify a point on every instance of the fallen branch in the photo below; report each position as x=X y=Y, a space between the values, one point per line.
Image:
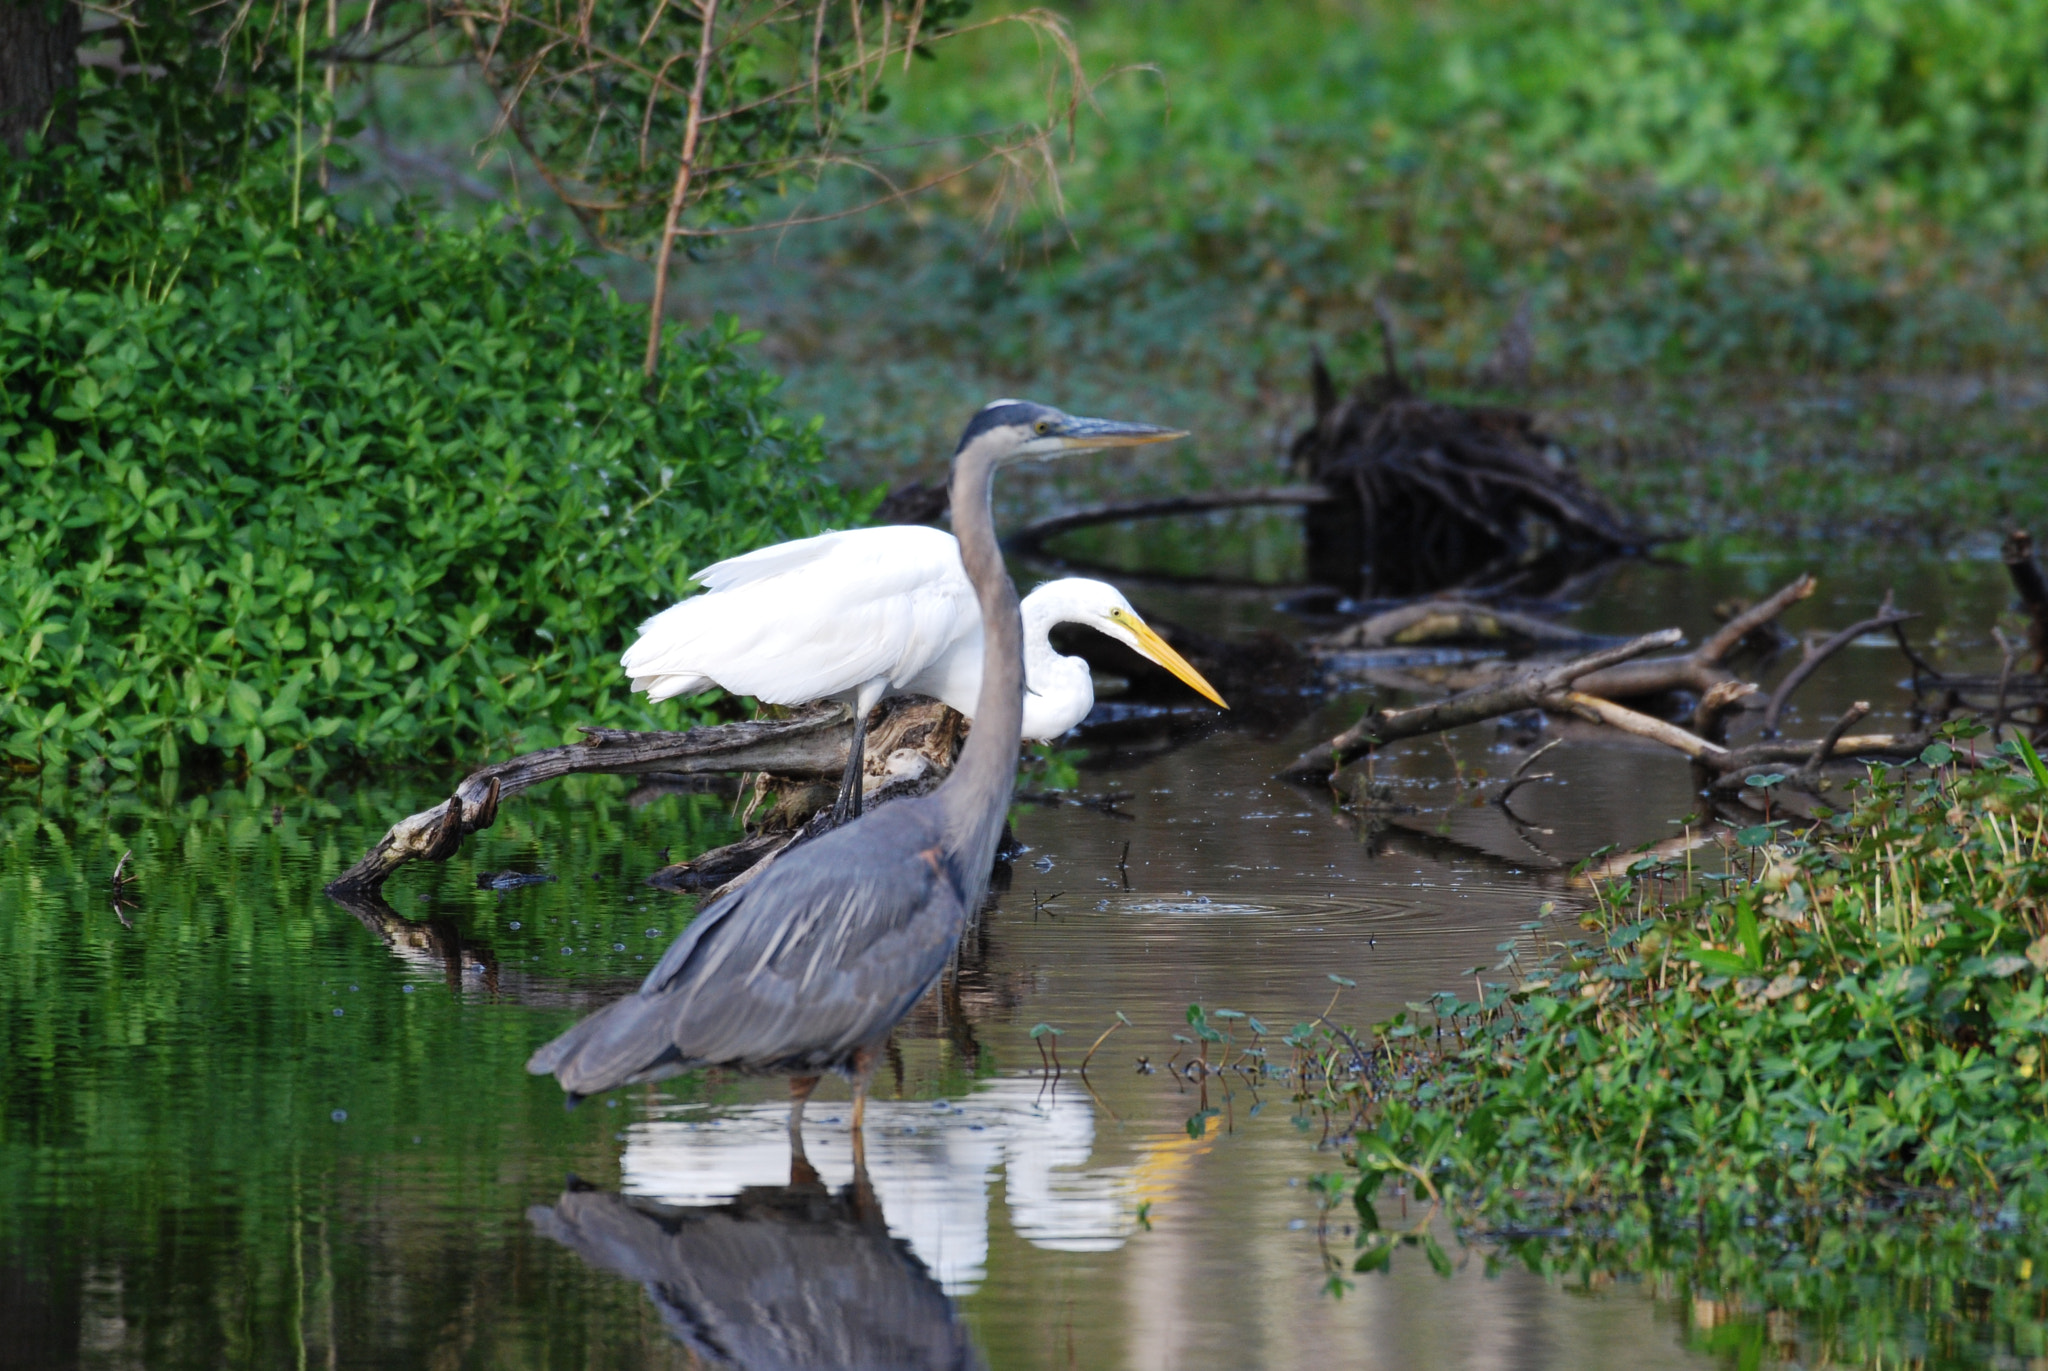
x=1431 y=621
x=813 y=744
x=1735 y=765
x=1030 y=539
x=1700 y=670
x=1885 y=617
x=1808 y=774
x=1485 y=702
x=1630 y=721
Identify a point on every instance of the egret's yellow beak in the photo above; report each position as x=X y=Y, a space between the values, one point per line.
x=1151 y=645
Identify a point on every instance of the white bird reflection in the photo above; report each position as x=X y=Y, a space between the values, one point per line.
x=931 y=1163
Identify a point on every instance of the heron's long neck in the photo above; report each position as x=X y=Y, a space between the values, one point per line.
x=977 y=794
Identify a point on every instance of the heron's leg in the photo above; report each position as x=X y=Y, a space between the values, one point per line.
x=800 y=1088
x=847 y=806
x=864 y=1060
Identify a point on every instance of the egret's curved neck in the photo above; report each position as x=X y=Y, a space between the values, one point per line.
x=977 y=794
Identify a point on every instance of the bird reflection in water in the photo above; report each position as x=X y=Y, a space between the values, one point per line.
x=785 y=1276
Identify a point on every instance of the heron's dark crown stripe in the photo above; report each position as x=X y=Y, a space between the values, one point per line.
x=1005 y=414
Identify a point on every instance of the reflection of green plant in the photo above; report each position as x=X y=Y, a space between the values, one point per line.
x=272 y=493
x=1051 y=768
x=168 y=1091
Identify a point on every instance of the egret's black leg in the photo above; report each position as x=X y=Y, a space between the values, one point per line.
x=847 y=805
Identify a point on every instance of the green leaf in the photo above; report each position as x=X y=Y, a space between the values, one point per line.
x=1746 y=931
x=1714 y=960
x=2033 y=761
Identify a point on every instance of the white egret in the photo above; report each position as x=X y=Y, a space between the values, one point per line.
x=811 y=967
x=872 y=612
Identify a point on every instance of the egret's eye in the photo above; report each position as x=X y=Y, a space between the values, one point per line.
x=1043 y=426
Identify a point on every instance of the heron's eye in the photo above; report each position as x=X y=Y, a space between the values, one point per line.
x=1043 y=426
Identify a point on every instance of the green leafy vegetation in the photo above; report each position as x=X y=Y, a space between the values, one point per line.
x=1849 y=1026
x=371 y=491
x=1674 y=206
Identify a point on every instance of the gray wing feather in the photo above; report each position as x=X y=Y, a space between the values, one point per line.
x=824 y=953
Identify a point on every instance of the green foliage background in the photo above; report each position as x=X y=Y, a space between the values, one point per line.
x=331 y=491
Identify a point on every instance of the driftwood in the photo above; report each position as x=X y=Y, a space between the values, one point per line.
x=1432 y=496
x=812 y=744
x=1698 y=672
x=1525 y=691
x=1437 y=621
x=1587 y=687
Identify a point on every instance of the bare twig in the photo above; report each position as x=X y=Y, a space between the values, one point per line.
x=2011 y=651
x=1808 y=774
x=1886 y=617
x=1521 y=775
x=707 y=17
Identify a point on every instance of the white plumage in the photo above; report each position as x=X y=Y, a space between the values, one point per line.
x=869 y=612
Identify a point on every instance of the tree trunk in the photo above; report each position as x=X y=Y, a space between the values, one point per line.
x=38 y=64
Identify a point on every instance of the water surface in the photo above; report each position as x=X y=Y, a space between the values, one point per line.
x=241 y=1125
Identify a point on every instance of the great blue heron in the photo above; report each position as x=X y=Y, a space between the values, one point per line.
x=871 y=612
x=808 y=968
x=788 y=1277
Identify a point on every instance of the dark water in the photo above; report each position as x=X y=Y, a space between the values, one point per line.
x=242 y=1126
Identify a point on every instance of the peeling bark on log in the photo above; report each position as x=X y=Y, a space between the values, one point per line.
x=813 y=744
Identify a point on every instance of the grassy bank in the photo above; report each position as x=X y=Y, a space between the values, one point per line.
x=1827 y=1060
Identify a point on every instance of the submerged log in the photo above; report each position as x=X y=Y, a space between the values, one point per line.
x=1432 y=496
x=1445 y=621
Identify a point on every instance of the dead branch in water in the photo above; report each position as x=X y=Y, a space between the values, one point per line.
x=1439 y=620
x=1485 y=702
x=1885 y=617
x=813 y=744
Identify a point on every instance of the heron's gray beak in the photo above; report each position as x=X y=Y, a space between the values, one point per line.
x=1090 y=435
